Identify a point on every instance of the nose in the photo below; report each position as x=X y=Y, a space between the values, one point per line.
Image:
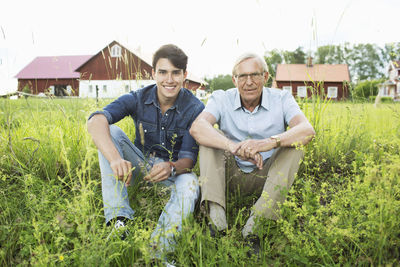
x=169 y=78
x=249 y=80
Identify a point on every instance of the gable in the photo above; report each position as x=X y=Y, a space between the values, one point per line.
x=115 y=62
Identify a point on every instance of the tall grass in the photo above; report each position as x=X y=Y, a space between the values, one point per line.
x=343 y=208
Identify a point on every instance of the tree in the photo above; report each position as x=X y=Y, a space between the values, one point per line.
x=392 y=51
x=272 y=58
x=367 y=61
x=223 y=82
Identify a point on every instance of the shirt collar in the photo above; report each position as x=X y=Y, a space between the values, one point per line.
x=264 y=100
x=152 y=98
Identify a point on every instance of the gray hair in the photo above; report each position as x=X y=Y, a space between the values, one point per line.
x=248 y=55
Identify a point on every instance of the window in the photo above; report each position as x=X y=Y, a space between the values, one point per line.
x=116 y=51
x=332 y=92
x=288 y=88
x=126 y=88
x=90 y=88
x=301 y=91
x=104 y=88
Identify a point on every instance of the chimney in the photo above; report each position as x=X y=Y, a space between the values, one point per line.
x=309 y=61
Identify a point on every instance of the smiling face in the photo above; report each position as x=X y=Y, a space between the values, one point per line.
x=169 y=80
x=250 y=78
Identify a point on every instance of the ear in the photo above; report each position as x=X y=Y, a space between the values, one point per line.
x=185 y=74
x=266 y=75
x=234 y=81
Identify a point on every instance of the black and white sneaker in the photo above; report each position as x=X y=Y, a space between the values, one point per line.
x=120 y=231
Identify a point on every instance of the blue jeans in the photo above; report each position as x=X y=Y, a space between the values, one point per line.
x=184 y=191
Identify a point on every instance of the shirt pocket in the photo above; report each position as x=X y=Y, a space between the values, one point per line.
x=175 y=138
x=150 y=134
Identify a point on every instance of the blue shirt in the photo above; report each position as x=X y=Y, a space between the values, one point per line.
x=165 y=135
x=272 y=117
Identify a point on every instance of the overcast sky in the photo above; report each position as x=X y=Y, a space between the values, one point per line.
x=212 y=32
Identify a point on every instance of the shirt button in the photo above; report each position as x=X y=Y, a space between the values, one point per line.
x=162 y=143
x=162 y=128
x=145 y=131
x=166 y=114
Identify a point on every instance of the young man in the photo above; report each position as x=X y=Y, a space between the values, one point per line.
x=163 y=150
x=261 y=157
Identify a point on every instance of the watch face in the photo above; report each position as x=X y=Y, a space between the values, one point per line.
x=173 y=171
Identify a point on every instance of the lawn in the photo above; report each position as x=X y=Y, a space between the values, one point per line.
x=343 y=209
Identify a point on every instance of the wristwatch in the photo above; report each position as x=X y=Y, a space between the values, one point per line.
x=173 y=169
x=277 y=139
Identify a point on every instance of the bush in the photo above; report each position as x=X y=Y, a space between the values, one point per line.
x=365 y=89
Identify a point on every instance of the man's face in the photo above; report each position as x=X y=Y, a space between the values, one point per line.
x=250 y=79
x=169 y=79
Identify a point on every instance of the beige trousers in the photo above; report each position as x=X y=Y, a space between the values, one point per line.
x=219 y=174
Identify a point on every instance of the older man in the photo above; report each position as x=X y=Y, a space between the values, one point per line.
x=253 y=151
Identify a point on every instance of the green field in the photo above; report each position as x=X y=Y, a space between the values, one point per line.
x=344 y=208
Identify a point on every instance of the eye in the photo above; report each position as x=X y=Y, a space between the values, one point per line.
x=176 y=72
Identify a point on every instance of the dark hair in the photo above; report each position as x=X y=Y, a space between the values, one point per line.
x=173 y=53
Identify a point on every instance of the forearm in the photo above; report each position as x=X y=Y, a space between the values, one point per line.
x=183 y=165
x=205 y=134
x=300 y=134
x=99 y=130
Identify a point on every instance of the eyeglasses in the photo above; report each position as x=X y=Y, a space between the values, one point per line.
x=256 y=76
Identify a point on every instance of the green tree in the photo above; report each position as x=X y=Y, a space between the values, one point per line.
x=392 y=51
x=367 y=61
x=223 y=82
x=272 y=58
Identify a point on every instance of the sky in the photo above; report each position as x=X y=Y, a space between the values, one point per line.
x=211 y=32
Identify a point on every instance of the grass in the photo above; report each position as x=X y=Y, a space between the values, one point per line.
x=343 y=208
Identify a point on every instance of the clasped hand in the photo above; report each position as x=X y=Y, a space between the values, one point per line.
x=248 y=150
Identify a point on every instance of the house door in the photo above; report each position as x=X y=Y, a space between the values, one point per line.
x=60 y=90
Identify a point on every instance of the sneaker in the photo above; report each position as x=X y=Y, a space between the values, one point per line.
x=119 y=231
x=254 y=245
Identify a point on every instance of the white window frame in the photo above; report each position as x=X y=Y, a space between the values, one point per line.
x=288 y=88
x=332 y=91
x=115 y=51
x=302 y=91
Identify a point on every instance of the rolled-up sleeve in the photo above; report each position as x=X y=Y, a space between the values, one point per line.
x=119 y=109
x=190 y=148
x=290 y=106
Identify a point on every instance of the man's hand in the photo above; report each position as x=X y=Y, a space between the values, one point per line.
x=159 y=172
x=122 y=169
x=250 y=150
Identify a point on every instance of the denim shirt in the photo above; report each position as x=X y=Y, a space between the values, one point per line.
x=165 y=135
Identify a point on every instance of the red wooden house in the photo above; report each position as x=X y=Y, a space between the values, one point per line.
x=54 y=74
x=303 y=80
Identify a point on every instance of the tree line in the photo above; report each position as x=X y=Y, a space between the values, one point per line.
x=366 y=62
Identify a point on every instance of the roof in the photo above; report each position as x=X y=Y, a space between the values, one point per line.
x=54 y=67
x=317 y=72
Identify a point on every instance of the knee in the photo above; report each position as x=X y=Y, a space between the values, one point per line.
x=115 y=131
x=188 y=185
